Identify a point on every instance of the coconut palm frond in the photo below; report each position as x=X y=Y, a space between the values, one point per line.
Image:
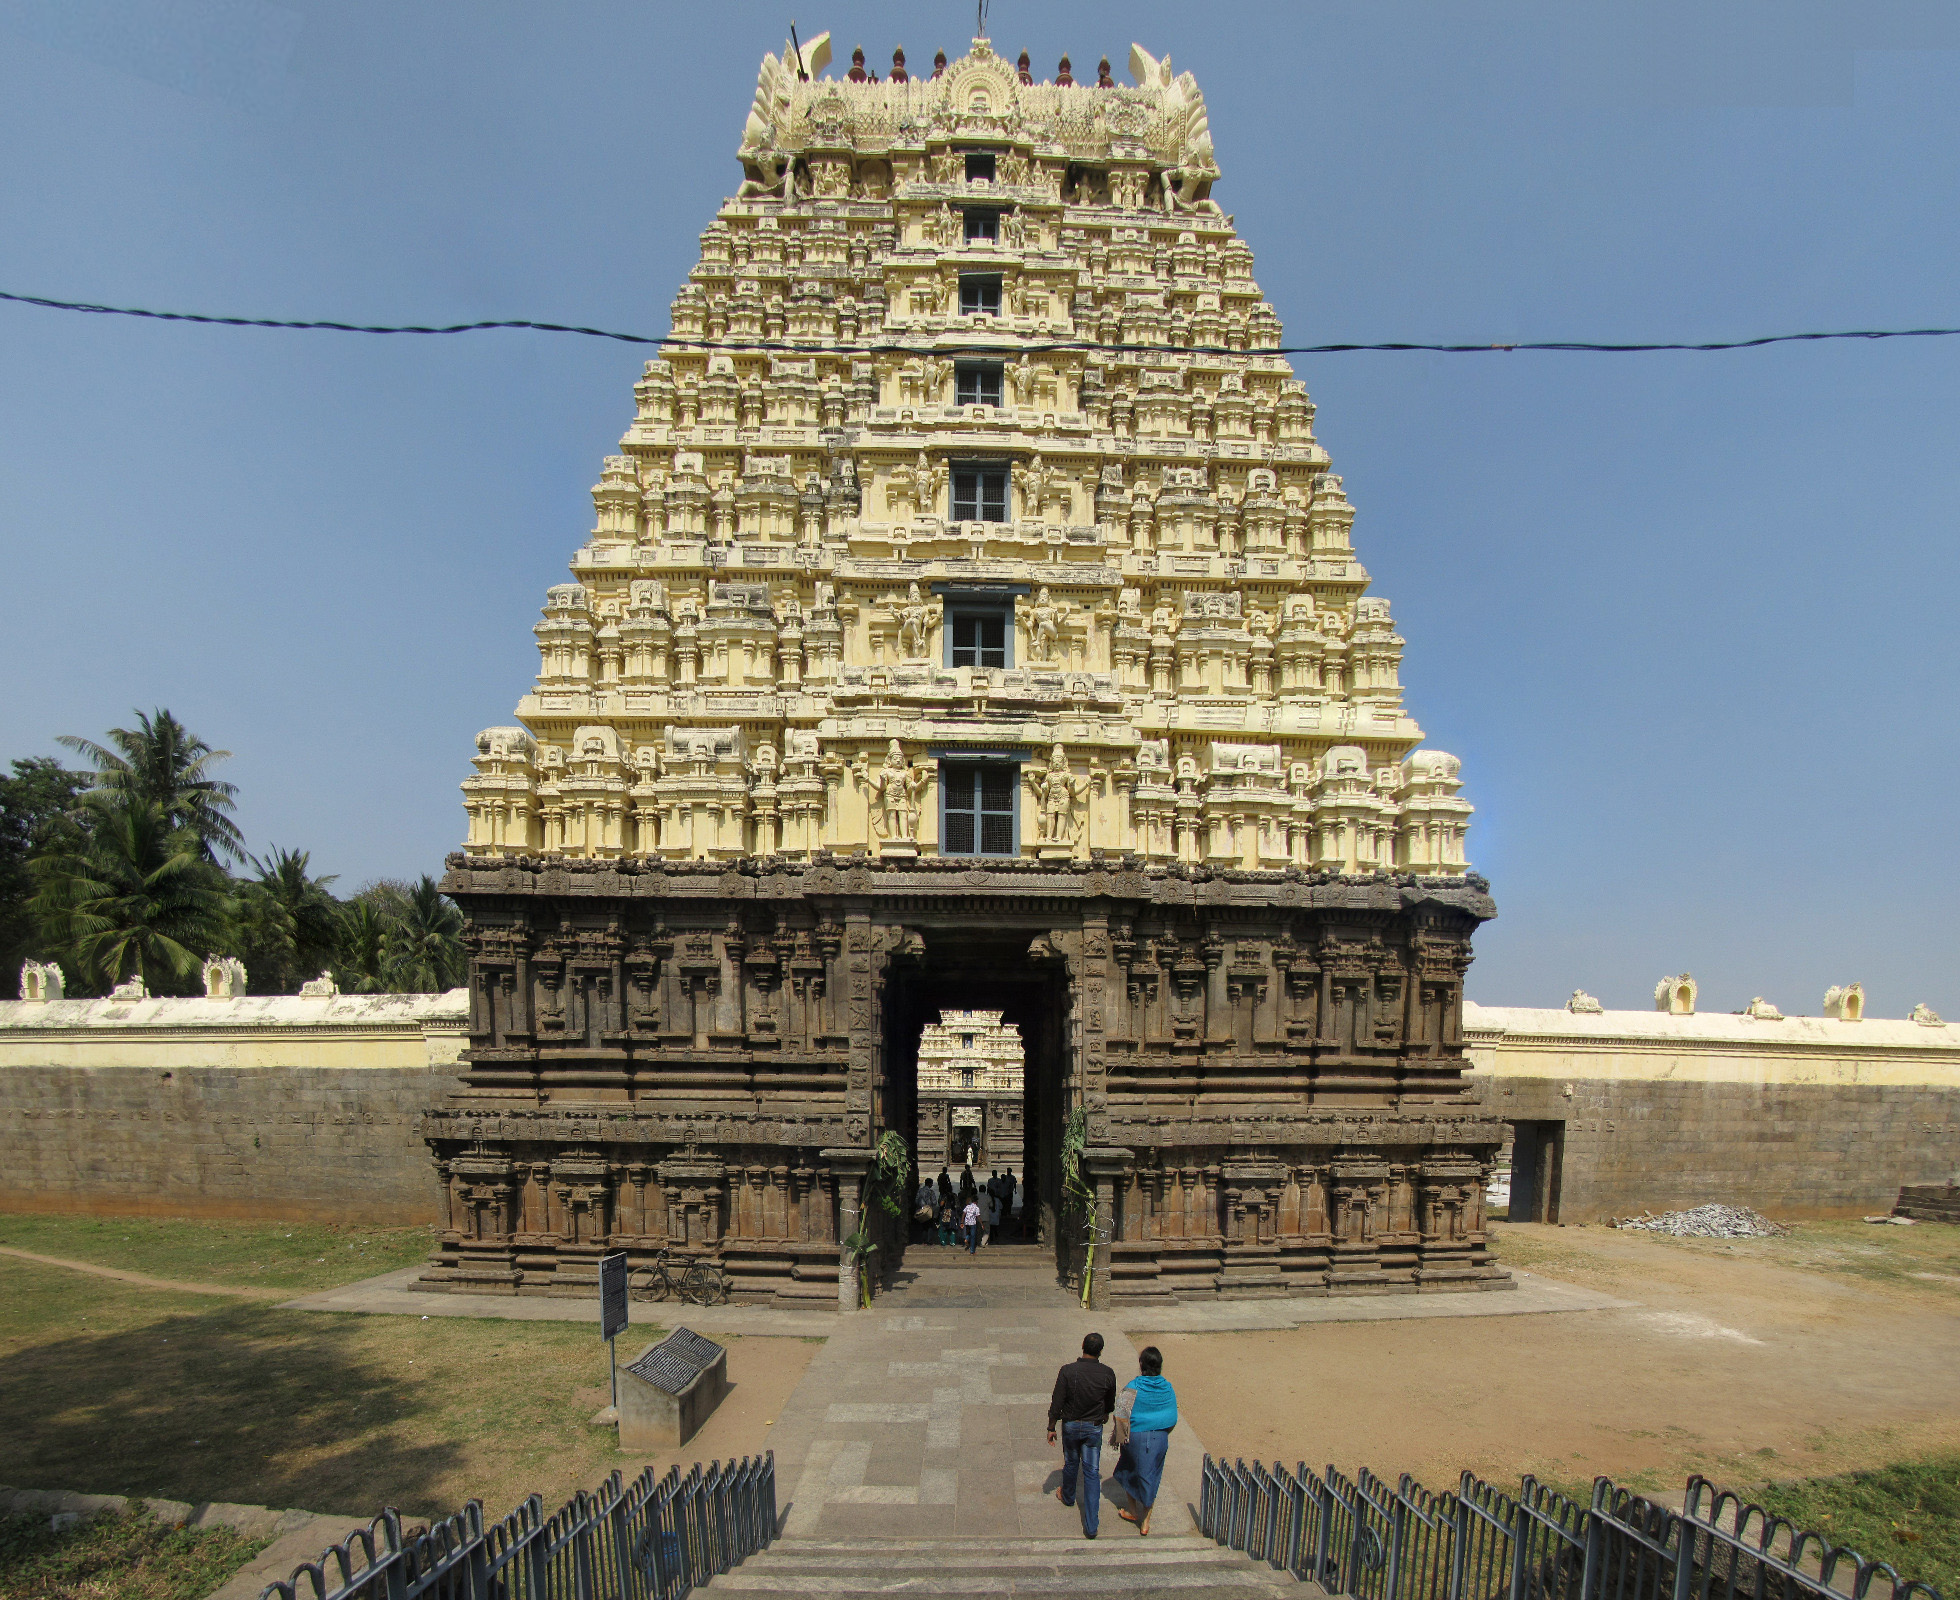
x=162 y=761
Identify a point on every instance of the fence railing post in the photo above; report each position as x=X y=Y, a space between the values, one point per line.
x=1398 y=1529
x=1521 y=1548
x=769 y=1499
x=1460 y=1538
x=1684 y=1559
x=582 y=1585
x=1296 y=1533
x=1592 y=1570
x=1324 y=1535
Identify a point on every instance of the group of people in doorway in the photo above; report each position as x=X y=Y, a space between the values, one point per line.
x=966 y=1212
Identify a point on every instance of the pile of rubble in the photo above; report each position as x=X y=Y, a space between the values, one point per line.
x=1706 y=1222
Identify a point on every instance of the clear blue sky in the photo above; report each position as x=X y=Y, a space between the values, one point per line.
x=1688 y=620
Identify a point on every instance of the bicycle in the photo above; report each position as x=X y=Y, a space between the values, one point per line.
x=695 y=1283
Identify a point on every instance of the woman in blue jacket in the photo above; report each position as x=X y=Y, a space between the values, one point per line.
x=1147 y=1407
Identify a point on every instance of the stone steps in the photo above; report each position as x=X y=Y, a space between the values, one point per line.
x=1119 y=1563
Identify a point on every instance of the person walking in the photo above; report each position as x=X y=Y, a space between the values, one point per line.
x=925 y=1209
x=946 y=1215
x=1017 y=1205
x=1085 y=1393
x=1146 y=1411
x=970 y=1222
x=989 y=1212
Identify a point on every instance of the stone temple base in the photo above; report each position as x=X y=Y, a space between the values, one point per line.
x=699 y=1060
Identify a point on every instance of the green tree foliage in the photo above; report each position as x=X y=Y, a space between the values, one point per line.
x=126 y=894
x=361 y=962
x=34 y=801
x=162 y=762
x=121 y=872
x=424 y=942
x=288 y=926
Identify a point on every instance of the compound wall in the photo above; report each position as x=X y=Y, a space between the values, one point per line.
x=274 y=1107
x=1797 y=1117
x=310 y=1108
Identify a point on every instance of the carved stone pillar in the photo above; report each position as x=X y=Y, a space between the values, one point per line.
x=849 y=1169
x=1104 y=1168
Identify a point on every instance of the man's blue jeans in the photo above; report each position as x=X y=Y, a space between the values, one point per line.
x=1082 y=1452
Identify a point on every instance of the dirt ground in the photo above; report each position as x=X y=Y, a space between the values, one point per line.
x=761 y=1374
x=1837 y=1347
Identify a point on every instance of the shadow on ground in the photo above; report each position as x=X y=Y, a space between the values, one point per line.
x=238 y=1403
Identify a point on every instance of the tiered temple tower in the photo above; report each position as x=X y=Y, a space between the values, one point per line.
x=971 y=1093
x=969 y=605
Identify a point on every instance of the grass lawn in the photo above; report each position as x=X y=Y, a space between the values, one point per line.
x=273 y=1255
x=1906 y=1514
x=112 y=1388
x=111 y=1557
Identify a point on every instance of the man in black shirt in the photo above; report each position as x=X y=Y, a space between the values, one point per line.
x=1085 y=1394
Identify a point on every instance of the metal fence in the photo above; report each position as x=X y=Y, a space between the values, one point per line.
x=1361 y=1537
x=654 y=1539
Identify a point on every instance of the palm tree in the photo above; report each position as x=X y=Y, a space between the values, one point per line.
x=425 y=943
x=289 y=922
x=129 y=895
x=362 y=964
x=163 y=763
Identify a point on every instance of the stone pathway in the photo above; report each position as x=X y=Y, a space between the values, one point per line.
x=391 y=1294
x=1533 y=1296
x=142 y=1279
x=926 y=1417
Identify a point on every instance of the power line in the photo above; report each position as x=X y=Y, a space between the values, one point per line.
x=1040 y=347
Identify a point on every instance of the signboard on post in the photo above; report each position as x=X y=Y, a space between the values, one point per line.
x=612 y=1312
x=612 y=1295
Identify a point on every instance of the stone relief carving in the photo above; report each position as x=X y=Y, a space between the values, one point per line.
x=894 y=790
x=1045 y=619
x=1058 y=793
x=914 y=626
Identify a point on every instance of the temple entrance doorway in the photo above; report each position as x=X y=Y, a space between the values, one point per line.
x=955 y=1018
x=1537 y=1166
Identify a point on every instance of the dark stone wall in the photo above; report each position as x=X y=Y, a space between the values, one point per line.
x=1788 y=1150
x=699 y=1058
x=1929 y=1202
x=300 y=1143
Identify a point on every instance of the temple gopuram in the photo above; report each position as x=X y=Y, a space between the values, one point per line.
x=970 y=622
x=972 y=1094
